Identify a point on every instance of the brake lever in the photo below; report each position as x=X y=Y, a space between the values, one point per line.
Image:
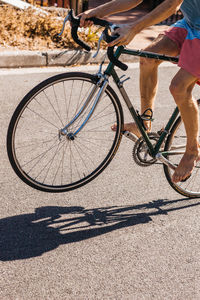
x=70 y=17
x=64 y=22
x=99 y=45
x=104 y=36
x=113 y=27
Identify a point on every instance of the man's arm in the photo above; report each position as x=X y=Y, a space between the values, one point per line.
x=109 y=8
x=160 y=13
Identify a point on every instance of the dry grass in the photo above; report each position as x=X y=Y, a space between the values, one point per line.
x=26 y=30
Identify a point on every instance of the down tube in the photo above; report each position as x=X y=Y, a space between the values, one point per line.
x=132 y=111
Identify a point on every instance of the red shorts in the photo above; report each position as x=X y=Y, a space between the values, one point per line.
x=188 y=41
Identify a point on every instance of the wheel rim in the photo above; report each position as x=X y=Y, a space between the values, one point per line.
x=51 y=161
x=177 y=142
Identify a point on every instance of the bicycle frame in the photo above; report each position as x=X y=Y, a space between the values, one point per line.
x=103 y=81
x=111 y=71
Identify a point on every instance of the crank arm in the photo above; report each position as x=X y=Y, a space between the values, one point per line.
x=165 y=161
x=130 y=135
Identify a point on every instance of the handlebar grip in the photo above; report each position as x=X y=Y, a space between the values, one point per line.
x=74 y=28
x=110 y=51
x=114 y=60
x=76 y=23
x=77 y=40
x=100 y=22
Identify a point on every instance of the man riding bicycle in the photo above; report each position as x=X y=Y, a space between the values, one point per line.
x=183 y=39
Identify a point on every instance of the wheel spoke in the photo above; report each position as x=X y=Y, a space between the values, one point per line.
x=53 y=160
x=175 y=148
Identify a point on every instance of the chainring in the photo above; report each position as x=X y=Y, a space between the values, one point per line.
x=141 y=153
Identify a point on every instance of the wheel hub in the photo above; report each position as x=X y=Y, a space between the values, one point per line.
x=68 y=135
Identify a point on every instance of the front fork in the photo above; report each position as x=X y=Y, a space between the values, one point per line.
x=101 y=85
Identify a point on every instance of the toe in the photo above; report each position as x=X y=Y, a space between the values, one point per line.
x=114 y=127
x=175 y=178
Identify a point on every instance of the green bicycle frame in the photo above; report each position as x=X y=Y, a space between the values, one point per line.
x=110 y=71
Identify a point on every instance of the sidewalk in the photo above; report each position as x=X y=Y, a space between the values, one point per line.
x=16 y=59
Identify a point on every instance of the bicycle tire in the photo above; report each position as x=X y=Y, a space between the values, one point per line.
x=33 y=134
x=177 y=138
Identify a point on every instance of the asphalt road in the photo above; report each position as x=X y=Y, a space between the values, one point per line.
x=126 y=235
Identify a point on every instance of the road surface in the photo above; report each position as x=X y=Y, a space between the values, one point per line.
x=126 y=235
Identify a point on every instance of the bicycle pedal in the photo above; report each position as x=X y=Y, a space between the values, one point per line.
x=147 y=115
x=184 y=180
x=147 y=118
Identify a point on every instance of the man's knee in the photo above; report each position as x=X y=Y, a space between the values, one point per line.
x=179 y=91
x=176 y=89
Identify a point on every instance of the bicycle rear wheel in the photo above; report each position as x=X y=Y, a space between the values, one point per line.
x=49 y=161
x=176 y=143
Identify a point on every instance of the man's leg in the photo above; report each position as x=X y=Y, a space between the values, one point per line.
x=181 y=89
x=148 y=77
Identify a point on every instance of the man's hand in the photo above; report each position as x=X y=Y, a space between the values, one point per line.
x=107 y=9
x=86 y=15
x=126 y=33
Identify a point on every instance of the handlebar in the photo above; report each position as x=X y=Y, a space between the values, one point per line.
x=75 y=23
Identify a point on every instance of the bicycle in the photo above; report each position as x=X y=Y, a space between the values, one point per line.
x=60 y=138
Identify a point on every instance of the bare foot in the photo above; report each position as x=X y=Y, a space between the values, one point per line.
x=131 y=127
x=185 y=167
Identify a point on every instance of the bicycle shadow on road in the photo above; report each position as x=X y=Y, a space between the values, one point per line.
x=31 y=235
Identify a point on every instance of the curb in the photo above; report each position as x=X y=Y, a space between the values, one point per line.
x=28 y=59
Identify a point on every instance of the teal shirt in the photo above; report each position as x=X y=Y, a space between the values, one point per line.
x=191 y=12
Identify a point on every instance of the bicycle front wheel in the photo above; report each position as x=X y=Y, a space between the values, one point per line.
x=49 y=161
x=176 y=145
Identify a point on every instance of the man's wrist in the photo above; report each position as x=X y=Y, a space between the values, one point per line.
x=136 y=27
x=97 y=13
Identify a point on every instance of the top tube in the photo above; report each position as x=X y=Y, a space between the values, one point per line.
x=152 y=55
x=122 y=50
